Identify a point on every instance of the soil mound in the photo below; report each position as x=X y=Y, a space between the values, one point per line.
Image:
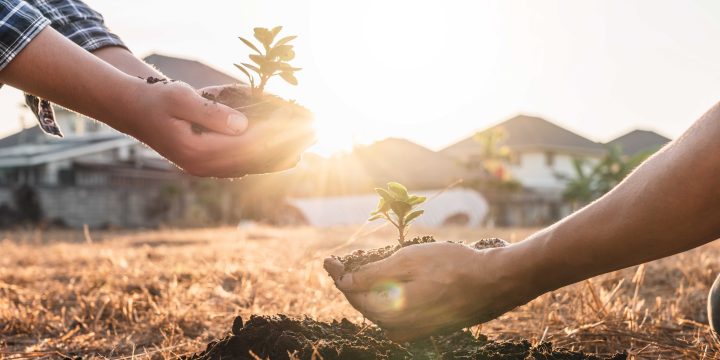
x=280 y=337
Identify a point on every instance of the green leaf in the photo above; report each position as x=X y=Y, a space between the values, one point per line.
x=260 y=60
x=244 y=72
x=381 y=206
x=385 y=194
x=289 y=77
x=252 y=67
x=249 y=44
x=375 y=217
x=416 y=200
x=398 y=190
x=400 y=208
x=285 y=40
x=413 y=215
x=264 y=36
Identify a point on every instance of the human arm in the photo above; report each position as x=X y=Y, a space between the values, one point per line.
x=668 y=205
x=54 y=68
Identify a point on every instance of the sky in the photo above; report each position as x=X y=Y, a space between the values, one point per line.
x=436 y=72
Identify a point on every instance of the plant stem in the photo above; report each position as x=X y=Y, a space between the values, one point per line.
x=401 y=229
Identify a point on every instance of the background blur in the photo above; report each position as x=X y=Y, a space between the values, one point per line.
x=533 y=105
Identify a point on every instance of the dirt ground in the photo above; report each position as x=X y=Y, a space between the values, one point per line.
x=162 y=294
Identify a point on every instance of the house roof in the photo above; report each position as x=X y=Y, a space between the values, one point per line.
x=192 y=72
x=30 y=154
x=529 y=132
x=638 y=141
x=408 y=163
x=369 y=166
x=29 y=135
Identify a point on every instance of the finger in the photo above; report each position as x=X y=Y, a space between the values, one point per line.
x=190 y=106
x=334 y=267
x=369 y=276
x=257 y=151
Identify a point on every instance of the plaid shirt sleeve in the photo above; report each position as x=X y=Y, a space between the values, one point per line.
x=82 y=25
x=78 y=22
x=19 y=24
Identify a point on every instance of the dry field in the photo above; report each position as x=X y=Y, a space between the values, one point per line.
x=163 y=293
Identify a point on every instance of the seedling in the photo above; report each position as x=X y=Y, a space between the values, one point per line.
x=273 y=61
x=397 y=207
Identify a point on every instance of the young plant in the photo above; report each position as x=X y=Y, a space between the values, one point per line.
x=396 y=206
x=274 y=60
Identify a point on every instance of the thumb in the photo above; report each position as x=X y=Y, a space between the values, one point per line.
x=334 y=267
x=366 y=277
x=191 y=107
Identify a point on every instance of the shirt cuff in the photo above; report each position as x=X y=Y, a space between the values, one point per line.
x=21 y=24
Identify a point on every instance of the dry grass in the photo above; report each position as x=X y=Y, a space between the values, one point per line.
x=163 y=293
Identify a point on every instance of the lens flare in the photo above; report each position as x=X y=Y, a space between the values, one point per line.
x=390 y=294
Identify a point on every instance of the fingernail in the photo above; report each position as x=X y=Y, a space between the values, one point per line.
x=237 y=123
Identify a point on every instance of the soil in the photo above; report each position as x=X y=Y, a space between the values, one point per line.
x=267 y=107
x=275 y=337
x=359 y=258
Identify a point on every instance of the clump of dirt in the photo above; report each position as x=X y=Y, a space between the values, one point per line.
x=358 y=258
x=280 y=337
x=267 y=107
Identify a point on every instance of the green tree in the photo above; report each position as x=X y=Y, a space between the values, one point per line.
x=586 y=185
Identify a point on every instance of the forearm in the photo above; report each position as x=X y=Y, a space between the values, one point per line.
x=125 y=61
x=668 y=205
x=56 y=69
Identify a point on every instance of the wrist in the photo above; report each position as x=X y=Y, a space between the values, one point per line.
x=128 y=106
x=523 y=276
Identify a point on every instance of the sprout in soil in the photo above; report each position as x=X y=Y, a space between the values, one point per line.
x=396 y=206
x=274 y=60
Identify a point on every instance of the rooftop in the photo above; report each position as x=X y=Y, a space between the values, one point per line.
x=530 y=132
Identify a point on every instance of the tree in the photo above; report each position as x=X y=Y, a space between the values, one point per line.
x=585 y=186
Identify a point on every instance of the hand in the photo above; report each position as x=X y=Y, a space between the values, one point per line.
x=164 y=122
x=429 y=288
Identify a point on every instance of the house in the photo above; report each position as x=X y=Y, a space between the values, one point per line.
x=370 y=166
x=539 y=151
x=456 y=206
x=540 y=154
x=337 y=191
x=117 y=179
x=639 y=141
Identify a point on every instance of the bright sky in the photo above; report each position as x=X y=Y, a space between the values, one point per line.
x=434 y=72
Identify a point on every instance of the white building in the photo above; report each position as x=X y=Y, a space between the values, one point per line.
x=444 y=207
x=540 y=152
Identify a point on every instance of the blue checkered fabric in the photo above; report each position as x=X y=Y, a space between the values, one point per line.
x=21 y=21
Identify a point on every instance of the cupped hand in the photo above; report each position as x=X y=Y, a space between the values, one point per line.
x=429 y=288
x=230 y=149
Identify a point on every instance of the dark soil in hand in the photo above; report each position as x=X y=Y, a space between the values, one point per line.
x=274 y=337
x=359 y=258
x=266 y=107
